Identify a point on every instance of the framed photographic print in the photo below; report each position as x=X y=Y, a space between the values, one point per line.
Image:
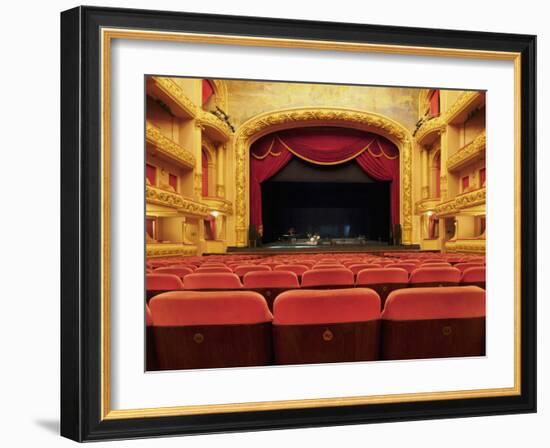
x=275 y=224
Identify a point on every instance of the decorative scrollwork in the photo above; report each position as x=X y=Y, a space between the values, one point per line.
x=472 y=152
x=169 y=249
x=163 y=144
x=216 y=128
x=176 y=94
x=173 y=200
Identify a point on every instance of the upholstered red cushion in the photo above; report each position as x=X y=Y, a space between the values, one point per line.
x=271 y=279
x=180 y=272
x=435 y=303
x=183 y=265
x=355 y=268
x=162 y=282
x=382 y=275
x=212 y=280
x=435 y=274
x=326 y=306
x=241 y=270
x=148 y=316
x=328 y=266
x=463 y=266
x=473 y=274
x=327 y=277
x=298 y=269
x=209 y=308
x=433 y=264
x=409 y=267
x=213 y=269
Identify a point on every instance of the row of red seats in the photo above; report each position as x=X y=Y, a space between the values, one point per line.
x=271 y=283
x=189 y=329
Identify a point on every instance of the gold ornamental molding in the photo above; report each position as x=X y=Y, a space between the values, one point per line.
x=169 y=249
x=215 y=128
x=167 y=147
x=430 y=128
x=464 y=103
x=266 y=123
x=470 y=153
x=473 y=245
x=170 y=199
x=218 y=204
x=470 y=199
x=446 y=208
x=170 y=93
x=426 y=205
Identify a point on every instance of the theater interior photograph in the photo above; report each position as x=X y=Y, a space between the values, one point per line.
x=295 y=223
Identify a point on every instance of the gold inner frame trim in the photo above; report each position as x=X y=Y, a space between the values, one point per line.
x=107 y=35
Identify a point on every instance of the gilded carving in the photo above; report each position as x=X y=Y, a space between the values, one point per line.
x=176 y=94
x=170 y=199
x=473 y=245
x=291 y=118
x=209 y=122
x=461 y=103
x=446 y=208
x=471 y=198
x=426 y=205
x=169 y=249
x=219 y=204
x=170 y=148
x=473 y=151
x=436 y=124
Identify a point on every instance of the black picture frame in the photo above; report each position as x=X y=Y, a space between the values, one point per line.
x=81 y=210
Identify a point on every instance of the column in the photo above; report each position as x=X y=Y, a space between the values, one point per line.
x=220 y=177
x=425 y=194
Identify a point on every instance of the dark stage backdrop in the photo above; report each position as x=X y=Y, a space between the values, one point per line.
x=334 y=210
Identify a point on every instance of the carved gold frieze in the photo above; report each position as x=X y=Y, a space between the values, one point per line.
x=174 y=96
x=430 y=127
x=426 y=205
x=219 y=205
x=301 y=117
x=168 y=147
x=170 y=199
x=446 y=208
x=217 y=129
x=462 y=104
x=472 y=152
x=472 y=245
x=470 y=199
x=169 y=249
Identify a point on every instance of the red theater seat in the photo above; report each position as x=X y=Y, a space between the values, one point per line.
x=326 y=326
x=383 y=280
x=212 y=280
x=434 y=323
x=327 y=278
x=328 y=266
x=271 y=283
x=474 y=276
x=179 y=271
x=211 y=329
x=213 y=269
x=298 y=269
x=158 y=283
x=151 y=360
x=434 y=276
x=438 y=264
x=464 y=266
x=243 y=269
x=409 y=267
x=355 y=268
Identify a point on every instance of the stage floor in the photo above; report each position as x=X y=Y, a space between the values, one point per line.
x=277 y=248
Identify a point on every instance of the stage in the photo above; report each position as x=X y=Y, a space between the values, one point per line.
x=292 y=247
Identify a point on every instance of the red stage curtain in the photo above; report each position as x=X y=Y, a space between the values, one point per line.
x=207 y=91
x=434 y=103
x=377 y=156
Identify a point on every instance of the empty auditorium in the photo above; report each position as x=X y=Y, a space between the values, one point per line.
x=293 y=223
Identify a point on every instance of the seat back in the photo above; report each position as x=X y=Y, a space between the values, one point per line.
x=313 y=326
x=270 y=283
x=474 y=276
x=383 y=281
x=212 y=280
x=463 y=266
x=214 y=269
x=409 y=267
x=151 y=359
x=181 y=272
x=327 y=278
x=434 y=276
x=434 y=323
x=328 y=266
x=157 y=283
x=298 y=269
x=243 y=269
x=195 y=330
x=356 y=267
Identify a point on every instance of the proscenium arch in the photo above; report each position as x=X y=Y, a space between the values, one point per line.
x=274 y=121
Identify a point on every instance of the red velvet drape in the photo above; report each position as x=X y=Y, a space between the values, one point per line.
x=434 y=103
x=207 y=91
x=377 y=156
